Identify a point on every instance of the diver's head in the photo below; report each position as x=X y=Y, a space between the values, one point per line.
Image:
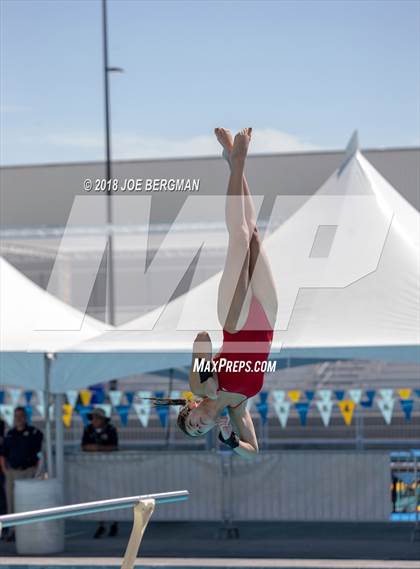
x=196 y=418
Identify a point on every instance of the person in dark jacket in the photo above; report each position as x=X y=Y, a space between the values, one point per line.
x=20 y=454
x=100 y=435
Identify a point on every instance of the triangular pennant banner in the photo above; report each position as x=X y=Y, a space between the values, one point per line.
x=98 y=395
x=176 y=394
x=282 y=410
x=115 y=396
x=324 y=394
x=347 y=409
x=85 y=396
x=339 y=394
x=310 y=395
x=262 y=406
x=386 y=394
x=387 y=407
x=129 y=395
x=72 y=395
x=2 y=394
x=302 y=408
x=407 y=407
x=162 y=412
x=84 y=411
x=28 y=413
x=14 y=395
x=123 y=412
x=279 y=395
x=325 y=410
x=188 y=395
x=144 y=395
x=67 y=414
x=417 y=392
x=405 y=393
x=370 y=394
x=294 y=395
x=7 y=412
x=28 y=397
x=355 y=395
x=143 y=412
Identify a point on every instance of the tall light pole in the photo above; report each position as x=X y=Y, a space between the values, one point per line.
x=110 y=312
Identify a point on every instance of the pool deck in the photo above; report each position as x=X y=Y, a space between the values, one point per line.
x=263 y=545
x=106 y=562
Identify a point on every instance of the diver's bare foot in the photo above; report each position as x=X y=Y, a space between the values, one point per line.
x=240 y=145
x=225 y=138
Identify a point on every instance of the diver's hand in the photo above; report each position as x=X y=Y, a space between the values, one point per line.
x=224 y=426
x=211 y=387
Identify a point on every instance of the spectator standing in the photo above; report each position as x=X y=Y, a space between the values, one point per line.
x=20 y=455
x=100 y=435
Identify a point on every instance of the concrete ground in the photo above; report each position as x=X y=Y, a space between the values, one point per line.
x=280 y=541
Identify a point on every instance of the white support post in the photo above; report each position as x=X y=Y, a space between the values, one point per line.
x=59 y=437
x=48 y=440
x=143 y=511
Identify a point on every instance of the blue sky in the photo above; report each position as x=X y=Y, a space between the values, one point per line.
x=303 y=74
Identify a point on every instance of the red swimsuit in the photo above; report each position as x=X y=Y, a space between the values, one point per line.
x=255 y=336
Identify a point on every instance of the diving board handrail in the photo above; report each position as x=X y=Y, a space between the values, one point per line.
x=60 y=512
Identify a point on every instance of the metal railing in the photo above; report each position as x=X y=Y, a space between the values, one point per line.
x=61 y=512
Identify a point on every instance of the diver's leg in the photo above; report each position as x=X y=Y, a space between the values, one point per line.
x=225 y=138
x=234 y=294
x=262 y=279
x=260 y=274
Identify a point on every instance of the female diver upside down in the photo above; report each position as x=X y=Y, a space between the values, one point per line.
x=247 y=309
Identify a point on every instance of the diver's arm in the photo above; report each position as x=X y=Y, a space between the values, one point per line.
x=202 y=349
x=243 y=426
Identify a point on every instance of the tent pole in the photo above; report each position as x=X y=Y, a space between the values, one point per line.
x=168 y=426
x=59 y=437
x=48 y=442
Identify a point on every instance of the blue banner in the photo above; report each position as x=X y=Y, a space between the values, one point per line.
x=310 y=395
x=339 y=395
x=302 y=408
x=161 y=410
x=28 y=411
x=370 y=394
x=2 y=394
x=98 y=395
x=407 y=407
x=84 y=411
x=28 y=397
x=130 y=397
x=262 y=407
x=123 y=411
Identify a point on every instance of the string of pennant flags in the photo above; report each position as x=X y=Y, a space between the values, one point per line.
x=281 y=401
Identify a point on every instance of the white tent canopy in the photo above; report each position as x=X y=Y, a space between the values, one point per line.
x=347 y=269
x=26 y=313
